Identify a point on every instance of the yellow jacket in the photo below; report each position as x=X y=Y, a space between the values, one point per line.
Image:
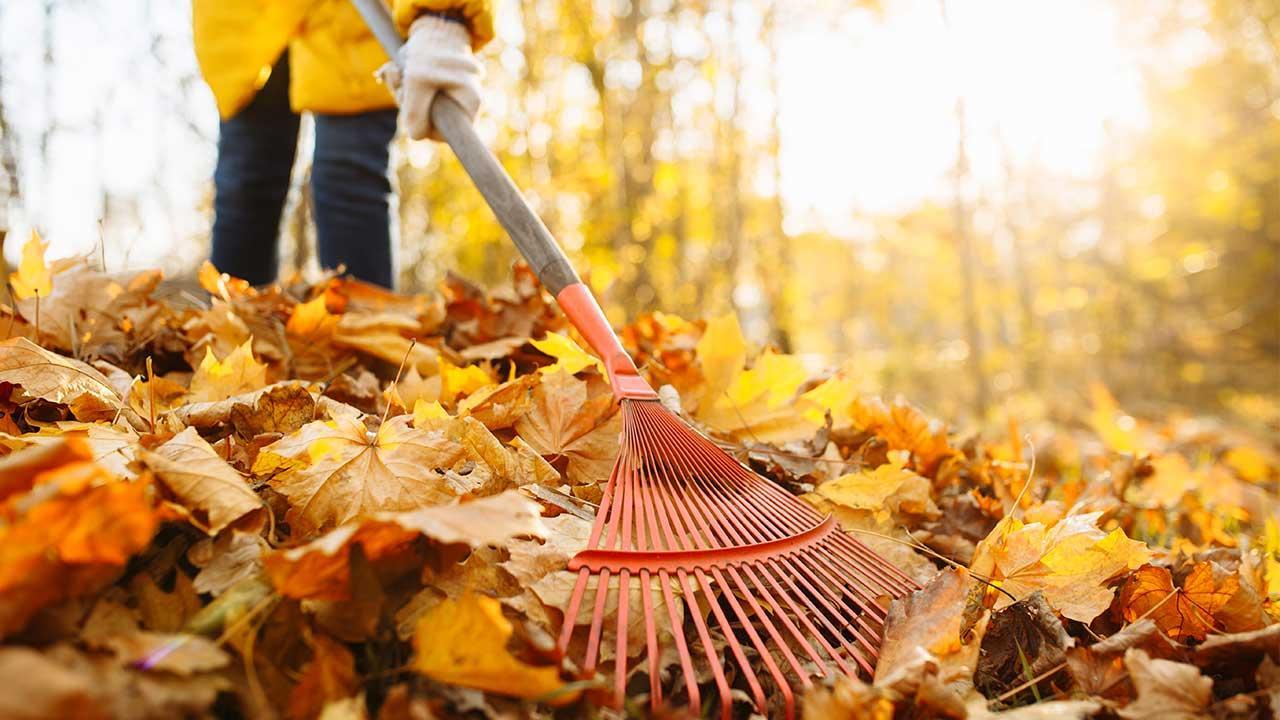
x=332 y=55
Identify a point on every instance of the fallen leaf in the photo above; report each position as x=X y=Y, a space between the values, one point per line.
x=904 y=427
x=339 y=470
x=565 y=421
x=32 y=278
x=923 y=629
x=1190 y=614
x=1024 y=640
x=231 y=557
x=49 y=376
x=280 y=408
x=1071 y=562
x=71 y=544
x=1166 y=689
x=464 y=642
x=214 y=493
x=569 y=355
x=320 y=569
x=888 y=490
x=238 y=372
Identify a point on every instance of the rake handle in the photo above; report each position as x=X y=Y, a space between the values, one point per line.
x=522 y=224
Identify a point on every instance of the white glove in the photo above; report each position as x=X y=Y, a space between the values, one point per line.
x=436 y=58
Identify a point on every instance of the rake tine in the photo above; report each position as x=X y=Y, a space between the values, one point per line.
x=682 y=647
x=708 y=648
x=620 y=653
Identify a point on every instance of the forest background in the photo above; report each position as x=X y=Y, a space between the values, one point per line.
x=985 y=206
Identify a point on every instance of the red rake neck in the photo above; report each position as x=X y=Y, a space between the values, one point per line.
x=585 y=314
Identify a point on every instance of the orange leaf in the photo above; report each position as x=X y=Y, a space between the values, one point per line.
x=1190 y=614
x=331 y=675
x=73 y=543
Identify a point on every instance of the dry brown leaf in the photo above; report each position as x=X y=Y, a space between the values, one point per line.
x=280 y=408
x=566 y=421
x=321 y=569
x=62 y=682
x=1167 y=690
x=214 y=493
x=922 y=635
x=339 y=470
x=226 y=560
x=49 y=376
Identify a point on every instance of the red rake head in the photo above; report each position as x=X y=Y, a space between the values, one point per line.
x=788 y=593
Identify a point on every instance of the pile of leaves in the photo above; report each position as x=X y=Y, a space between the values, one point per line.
x=327 y=499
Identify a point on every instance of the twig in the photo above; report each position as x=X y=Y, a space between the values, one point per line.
x=1033 y=681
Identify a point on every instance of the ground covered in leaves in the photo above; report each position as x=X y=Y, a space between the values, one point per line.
x=328 y=500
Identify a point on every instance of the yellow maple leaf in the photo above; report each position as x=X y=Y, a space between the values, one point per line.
x=455 y=381
x=569 y=355
x=33 y=277
x=464 y=642
x=311 y=320
x=1072 y=561
x=835 y=396
x=237 y=373
x=758 y=402
x=888 y=489
x=722 y=352
x=425 y=412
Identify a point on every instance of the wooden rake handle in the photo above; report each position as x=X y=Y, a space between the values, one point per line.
x=519 y=220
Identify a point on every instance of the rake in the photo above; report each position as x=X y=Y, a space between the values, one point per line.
x=789 y=596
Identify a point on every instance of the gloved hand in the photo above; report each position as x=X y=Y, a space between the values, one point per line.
x=435 y=58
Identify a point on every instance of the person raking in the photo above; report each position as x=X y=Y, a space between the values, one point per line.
x=268 y=61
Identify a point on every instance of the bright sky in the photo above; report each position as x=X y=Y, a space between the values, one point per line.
x=868 y=110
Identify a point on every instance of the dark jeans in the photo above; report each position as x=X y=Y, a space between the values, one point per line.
x=349 y=185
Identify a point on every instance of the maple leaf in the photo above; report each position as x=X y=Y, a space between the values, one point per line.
x=237 y=373
x=280 y=408
x=320 y=569
x=72 y=543
x=889 y=489
x=1072 y=561
x=1190 y=614
x=566 y=421
x=58 y=379
x=757 y=403
x=335 y=471
x=569 y=355
x=904 y=427
x=214 y=493
x=464 y=642
x=32 y=278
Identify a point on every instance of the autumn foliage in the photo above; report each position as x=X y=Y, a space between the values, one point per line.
x=332 y=500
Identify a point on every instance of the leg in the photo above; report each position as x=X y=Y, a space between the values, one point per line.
x=351 y=190
x=255 y=160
